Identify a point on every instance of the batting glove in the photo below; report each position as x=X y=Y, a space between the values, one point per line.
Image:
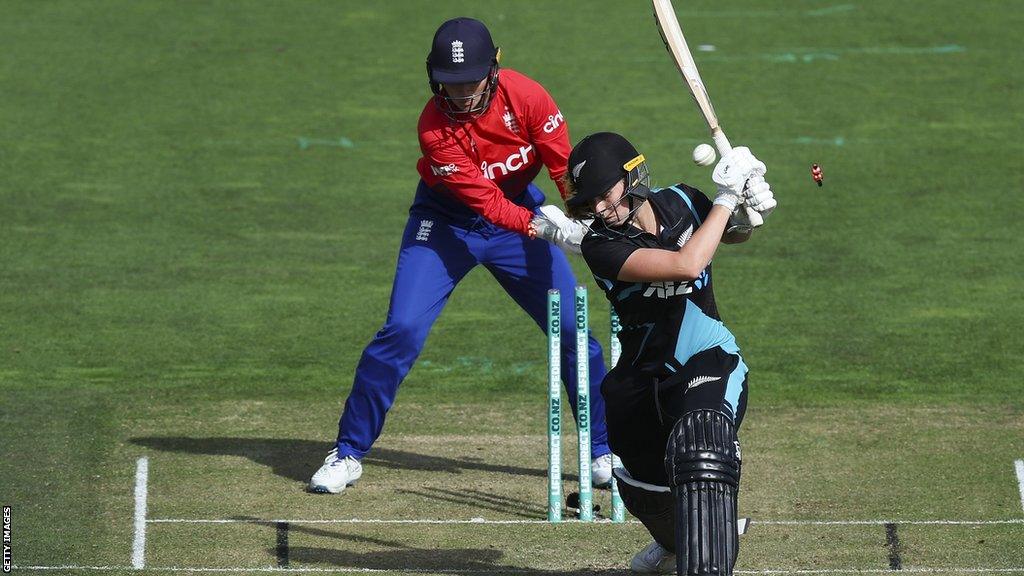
x=734 y=169
x=729 y=199
x=759 y=196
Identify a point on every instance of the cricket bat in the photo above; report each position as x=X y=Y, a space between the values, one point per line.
x=675 y=43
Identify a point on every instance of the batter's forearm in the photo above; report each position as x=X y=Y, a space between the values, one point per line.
x=697 y=253
x=683 y=265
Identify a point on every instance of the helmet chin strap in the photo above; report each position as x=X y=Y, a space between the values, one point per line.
x=634 y=207
x=636 y=198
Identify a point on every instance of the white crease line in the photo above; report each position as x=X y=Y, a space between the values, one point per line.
x=754 y=522
x=340 y=569
x=501 y=570
x=139 y=542
x=881 y=522
x=1019 y=465
x=72 y=567
x=368 y=521
x=889 y=571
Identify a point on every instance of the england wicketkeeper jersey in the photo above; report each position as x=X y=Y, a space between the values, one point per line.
x=485 y=163
x=663 y=323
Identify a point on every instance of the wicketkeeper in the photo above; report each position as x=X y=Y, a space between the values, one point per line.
x=677 y=396
x=485 y=135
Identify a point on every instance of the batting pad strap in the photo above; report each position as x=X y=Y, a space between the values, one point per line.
x=652 y=505
x=706 y=466
x=622 y=475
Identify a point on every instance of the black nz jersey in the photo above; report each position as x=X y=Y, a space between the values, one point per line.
x=664 y=324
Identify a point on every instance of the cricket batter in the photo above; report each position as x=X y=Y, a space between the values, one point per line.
x=677 y=396
x=485 y=135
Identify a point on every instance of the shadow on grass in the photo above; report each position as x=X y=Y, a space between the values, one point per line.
x=482 y=500
x=466 y=561
x=400 y=557
x=298 y=459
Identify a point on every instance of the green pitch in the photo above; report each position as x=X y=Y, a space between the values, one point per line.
x=200 y=208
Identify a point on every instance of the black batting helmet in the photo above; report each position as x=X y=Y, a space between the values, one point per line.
x=597 y=163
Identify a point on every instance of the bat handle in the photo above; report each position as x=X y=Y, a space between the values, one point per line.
x=721 y=142
x=724 y=147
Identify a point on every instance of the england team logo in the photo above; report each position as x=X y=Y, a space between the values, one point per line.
x=458 y=55
x=510 y=121
x=423 y=234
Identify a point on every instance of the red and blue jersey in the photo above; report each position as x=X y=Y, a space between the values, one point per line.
x=486 y=162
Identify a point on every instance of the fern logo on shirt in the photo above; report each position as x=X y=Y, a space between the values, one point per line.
x=685 y=236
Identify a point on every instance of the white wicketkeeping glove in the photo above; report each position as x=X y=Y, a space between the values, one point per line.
x=554 y=226
x=759 y=196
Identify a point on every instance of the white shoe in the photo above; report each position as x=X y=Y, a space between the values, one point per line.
x=335 y=474
x=653 y=560
x=601 y=471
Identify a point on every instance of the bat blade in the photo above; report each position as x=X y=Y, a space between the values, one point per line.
x=675 y=43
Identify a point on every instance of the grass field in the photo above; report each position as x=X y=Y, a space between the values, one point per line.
x=201 y=206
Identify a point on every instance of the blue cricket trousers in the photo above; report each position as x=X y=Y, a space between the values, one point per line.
x=442 y=242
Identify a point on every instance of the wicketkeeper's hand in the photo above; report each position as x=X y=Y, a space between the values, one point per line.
x=554 y=226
